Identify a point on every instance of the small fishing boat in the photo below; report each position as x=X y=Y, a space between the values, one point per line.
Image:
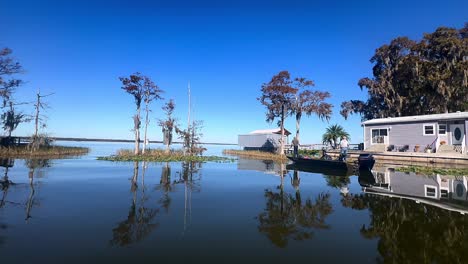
x=365 y=162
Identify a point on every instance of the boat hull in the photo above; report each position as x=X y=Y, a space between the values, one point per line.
x=321 y=163
x=365 y=163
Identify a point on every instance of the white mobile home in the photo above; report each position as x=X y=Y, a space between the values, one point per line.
x=266 y=140
x=434 y=133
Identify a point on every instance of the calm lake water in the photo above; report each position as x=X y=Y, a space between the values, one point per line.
x=81 y=210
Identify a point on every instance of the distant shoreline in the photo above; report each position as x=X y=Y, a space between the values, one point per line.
x=119 y=140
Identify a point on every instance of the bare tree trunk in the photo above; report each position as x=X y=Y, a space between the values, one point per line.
x=298 y=124
x=36 y=122
x=146 y=128
x=282 y=131
x=136 y=120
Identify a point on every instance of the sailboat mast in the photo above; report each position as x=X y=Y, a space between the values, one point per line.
x=188 y=120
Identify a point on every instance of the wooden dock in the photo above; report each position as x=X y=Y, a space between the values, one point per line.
x=408 y=158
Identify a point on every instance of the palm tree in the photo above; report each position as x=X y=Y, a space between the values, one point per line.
x=333 y=133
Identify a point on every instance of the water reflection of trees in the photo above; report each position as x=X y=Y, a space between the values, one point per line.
x=410 y=232
x=5 y=182
x=166 y=187
x=140 y=220
x=142 y=215
x=286 y=216
x=337 y=181
x=35 y=167
x=190 y=177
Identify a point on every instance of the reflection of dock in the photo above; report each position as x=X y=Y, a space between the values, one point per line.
x=446 y=192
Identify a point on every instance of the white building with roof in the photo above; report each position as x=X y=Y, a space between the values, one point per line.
x=266 y=139
x=437 y=132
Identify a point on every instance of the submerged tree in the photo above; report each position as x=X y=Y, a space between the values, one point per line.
x=168 y=124
x=413 y=78
x=278 y=96
x=333 y=133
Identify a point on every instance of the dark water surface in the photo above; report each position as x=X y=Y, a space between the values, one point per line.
x=86 y=211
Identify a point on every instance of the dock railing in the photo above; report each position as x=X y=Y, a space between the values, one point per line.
x=464 y=145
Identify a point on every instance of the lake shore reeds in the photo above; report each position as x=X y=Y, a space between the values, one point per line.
x=159 y=155
x=432 y=171
x=254 y=154
x=42 y=152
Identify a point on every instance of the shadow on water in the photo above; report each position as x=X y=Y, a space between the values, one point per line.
x=287 y=216
x=416 y=218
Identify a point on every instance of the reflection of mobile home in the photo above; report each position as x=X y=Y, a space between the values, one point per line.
x=444 y=191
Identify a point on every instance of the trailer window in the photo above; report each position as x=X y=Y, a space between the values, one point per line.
x=429 y=129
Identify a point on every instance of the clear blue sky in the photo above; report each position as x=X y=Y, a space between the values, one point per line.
x=226 y=49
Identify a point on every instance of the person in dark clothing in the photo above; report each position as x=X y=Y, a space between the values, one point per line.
x=295 y=143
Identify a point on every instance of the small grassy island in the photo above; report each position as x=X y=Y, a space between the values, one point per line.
x=24 y=151
x=255 y=154
x=262 y=155
x=159 y=155
x=431 y=171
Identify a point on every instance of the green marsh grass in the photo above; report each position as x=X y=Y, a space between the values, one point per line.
x=254 y=154
x=159 y=155
x=43 y=152
x=432 y=171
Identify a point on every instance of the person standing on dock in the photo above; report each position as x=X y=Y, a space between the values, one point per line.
x=295 y=143
x=344 y=144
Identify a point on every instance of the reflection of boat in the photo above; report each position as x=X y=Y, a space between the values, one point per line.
x=7 y=163
x=365 y=162
x=446 y=192
x=330 y=171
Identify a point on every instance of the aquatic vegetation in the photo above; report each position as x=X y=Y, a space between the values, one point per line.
x=428 y=170
x=254 y=154
x=159 y=155
x=43 y=152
